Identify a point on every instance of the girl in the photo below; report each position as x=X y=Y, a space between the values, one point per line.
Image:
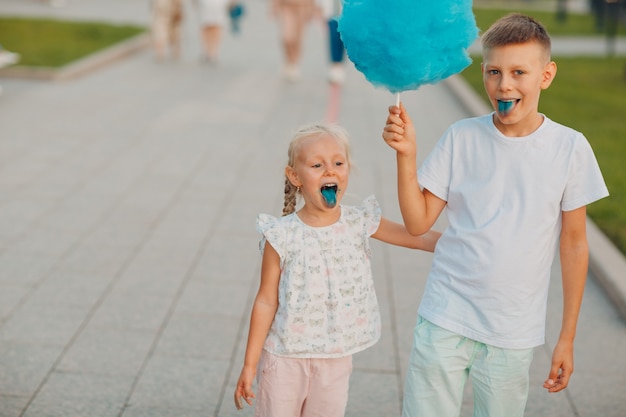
x=316 y=304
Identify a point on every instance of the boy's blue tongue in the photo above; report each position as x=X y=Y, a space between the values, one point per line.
x=505 y=106
x=330 y=195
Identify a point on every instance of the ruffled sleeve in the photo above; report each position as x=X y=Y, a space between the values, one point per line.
x=372 y=214
x=270 y=229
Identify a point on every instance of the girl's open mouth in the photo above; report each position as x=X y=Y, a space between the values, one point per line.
x=329 y=192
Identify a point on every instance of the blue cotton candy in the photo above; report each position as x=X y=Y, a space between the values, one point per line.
x=403 y=44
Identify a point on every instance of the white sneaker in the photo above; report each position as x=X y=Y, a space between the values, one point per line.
x=8 y=58
x=337 y=74
x=291 y=73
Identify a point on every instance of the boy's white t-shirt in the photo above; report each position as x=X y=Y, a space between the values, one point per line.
x=491 y=269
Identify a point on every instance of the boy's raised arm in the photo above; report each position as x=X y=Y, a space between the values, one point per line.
x=419 y=209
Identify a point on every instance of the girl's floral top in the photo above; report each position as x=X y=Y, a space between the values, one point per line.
x=327 y=305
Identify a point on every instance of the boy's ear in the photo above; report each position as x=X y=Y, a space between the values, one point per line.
x=549 y=72
x=292 y=176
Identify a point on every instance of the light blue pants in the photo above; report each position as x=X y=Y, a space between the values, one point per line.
x=440 y=364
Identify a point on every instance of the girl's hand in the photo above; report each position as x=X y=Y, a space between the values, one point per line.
x=399 y=132
x=243 y=389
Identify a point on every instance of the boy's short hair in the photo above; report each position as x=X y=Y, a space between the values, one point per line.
x=516 y=28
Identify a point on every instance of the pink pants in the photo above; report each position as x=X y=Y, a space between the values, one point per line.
x=288 y=387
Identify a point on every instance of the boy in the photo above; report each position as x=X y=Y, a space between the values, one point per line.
x=515 y=184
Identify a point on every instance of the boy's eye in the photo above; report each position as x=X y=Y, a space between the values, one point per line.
x=519 y=72
x=316 y=165
x=494 y=72
x=338 y=164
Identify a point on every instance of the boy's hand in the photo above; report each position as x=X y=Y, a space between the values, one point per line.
x=244 y=388
x=399 y=132
x=562 y=367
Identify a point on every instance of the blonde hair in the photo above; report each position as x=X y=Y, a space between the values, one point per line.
x=516 y=28
x=303 y=134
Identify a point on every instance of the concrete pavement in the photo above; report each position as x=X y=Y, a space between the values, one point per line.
x=128 y=256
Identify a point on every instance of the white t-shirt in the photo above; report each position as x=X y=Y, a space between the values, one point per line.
x=491 y=269
x=327 y=306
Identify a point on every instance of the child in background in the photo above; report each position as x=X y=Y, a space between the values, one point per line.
x=515 y=186
x=316 y=304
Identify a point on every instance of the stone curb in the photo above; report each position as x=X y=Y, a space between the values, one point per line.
x=82 y=66
x=608 y=265
x=606 y=262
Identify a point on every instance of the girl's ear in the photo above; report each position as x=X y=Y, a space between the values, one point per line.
x=549 y=72
x=292 y=176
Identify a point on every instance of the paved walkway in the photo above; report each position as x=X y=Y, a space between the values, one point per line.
x=128 y=256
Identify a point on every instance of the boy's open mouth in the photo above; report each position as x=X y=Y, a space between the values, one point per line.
x=329 y=192
x=506 y=106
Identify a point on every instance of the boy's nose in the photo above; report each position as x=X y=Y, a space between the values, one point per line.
x=505 y=83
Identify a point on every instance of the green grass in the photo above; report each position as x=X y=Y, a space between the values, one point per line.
x=54 y=43
x=575 y=24
x=589 y=95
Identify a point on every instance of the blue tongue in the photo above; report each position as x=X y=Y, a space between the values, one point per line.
x=505 y=106
x=330 y=195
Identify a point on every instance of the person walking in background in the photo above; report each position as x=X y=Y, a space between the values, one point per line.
x=515 y=186
x=167 y=18
x=293 y=17
x=331 y=10
x=316 y=304
x=213 y=17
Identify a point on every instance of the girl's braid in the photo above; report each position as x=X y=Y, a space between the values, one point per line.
x=290 y=198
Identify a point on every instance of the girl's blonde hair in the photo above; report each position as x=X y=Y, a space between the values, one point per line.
x=303 y=134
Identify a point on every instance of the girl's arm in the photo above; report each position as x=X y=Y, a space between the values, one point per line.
x=263 y=311
x=396 y=234
x=574 y=252
x=420 y=209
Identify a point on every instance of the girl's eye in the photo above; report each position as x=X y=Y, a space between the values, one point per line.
x=494 y=72
x=519 y=72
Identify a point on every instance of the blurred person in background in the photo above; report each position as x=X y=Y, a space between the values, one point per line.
x=167 y=16
x=213 y=17
x=331 y=10
x=293 y=17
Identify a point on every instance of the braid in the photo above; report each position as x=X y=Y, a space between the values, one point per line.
x=290 y=198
